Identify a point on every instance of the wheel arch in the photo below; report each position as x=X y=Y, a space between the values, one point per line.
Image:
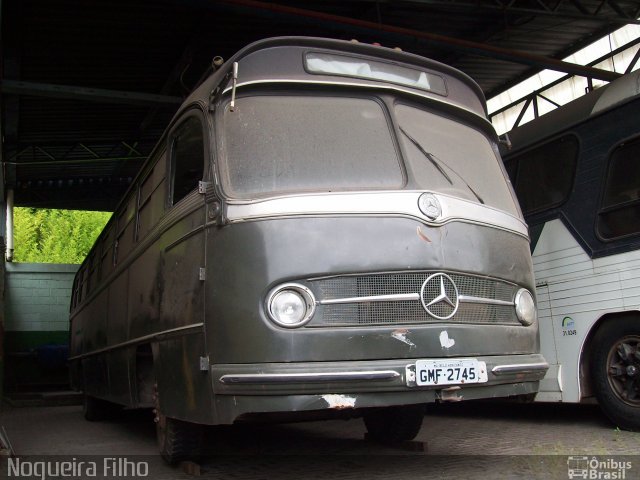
x=143 y=375
x=586 y=389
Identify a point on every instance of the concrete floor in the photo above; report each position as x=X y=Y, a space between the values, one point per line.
x=468 y=440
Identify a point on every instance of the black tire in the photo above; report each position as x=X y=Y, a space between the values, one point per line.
x=178 y=440
x=394 y=424
x=96 y=409
x=615 y=371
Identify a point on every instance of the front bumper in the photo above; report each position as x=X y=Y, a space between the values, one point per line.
x=297 y=387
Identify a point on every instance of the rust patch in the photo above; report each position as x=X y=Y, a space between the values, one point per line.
x=401 y=335
x=339 y=402
x=188 y=377
x=422 y=235
x=450 y=394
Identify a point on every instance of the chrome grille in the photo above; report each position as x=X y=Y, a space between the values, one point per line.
x=369 y=285
x=374 y=313
x=408 y=311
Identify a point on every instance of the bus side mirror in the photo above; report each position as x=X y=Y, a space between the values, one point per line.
x=505 y=140
x=214 y=212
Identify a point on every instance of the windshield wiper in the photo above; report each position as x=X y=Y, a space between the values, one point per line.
x=436 y=163
x=428 y=155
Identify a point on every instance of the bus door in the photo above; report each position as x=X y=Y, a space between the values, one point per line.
x=180 y=356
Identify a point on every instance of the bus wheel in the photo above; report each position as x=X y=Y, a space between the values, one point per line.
x=178 y=440
x=394 y=424
x=96 y=409
x=615 y=367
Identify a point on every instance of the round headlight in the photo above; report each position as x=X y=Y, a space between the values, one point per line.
x=291 y=305
x=525 y=307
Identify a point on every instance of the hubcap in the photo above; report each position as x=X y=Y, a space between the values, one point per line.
x=623 y=369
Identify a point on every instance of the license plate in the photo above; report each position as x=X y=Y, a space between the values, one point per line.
x=450 y=372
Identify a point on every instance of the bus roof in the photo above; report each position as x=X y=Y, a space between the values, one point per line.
x=597 y=102
x=283 y=59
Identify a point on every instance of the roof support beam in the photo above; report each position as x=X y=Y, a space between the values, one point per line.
x=18 y=87
x=11 y=38
x=179 y=68
x=509 y=7
x=3 y=210
x=633 y=62
x=538 y=93
x=450 y=43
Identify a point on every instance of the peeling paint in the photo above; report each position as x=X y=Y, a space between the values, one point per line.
x=451 y=394
x=445 y=341
x=422 y=235
x=339 y=401
x=401 y=335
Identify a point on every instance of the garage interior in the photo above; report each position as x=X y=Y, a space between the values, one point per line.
x=86 y=91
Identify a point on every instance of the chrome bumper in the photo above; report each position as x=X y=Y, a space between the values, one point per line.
x=358 y=376
x=326 y=387
x=330 y=377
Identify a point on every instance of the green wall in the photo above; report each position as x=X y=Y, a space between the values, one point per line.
x=37 y=299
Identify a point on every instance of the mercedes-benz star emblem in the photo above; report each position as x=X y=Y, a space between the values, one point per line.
x=429 y=205
x=439 y=296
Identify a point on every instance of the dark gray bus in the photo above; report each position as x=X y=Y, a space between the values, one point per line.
x=325 y=228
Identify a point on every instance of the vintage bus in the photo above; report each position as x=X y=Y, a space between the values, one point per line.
x=576 y=172
x=325 y=227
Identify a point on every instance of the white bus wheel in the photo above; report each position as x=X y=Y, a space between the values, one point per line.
x=615 y=371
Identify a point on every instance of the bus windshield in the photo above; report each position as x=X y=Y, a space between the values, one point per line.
x=447 y=156
x=280 y=144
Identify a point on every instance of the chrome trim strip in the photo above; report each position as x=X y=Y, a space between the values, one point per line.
x=394 y=272
x=408 y=297
x=519 y=368
x=136 y=340
x=483 y=301
x=391 y=203
x=374 y=298
x=247 y=378
x=432 y=96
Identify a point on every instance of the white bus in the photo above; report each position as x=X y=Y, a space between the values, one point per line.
x=576 y=172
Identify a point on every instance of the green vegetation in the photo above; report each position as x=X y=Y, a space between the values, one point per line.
x=55 y=236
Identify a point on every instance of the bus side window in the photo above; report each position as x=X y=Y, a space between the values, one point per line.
x=187 y=158
x=80 y=285
x=619 y=213
x=152 y=197
x=92 y=274
x=545 y=174
x=106 y=266
x=126 y=226
x=74 y=293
